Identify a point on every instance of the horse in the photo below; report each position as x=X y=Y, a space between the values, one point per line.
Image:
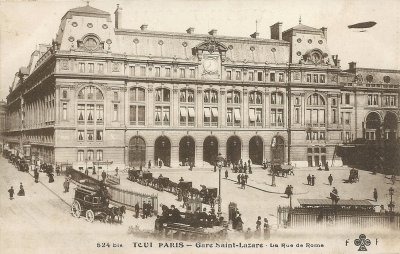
x=119 y=212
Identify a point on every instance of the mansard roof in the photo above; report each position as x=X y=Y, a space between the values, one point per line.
x=86 y=11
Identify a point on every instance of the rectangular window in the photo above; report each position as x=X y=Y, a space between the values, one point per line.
x=141 y=115
x=115 y=96
x=251 y=76
x=64 y=112
x=157 y=73
x=132 y=114
x=80 y=155
x=259 y=76
x=99 y=113
x=91 y=67
x=347 y=99
x=81 y=134
x=99 y=135
x=90 y=135
x=238 y=75
x=115 y=112
x=334 y=116
x=81 y=112
x=166 y=116
x=162 y=115
x=272 y=77
x=142 y=71
x=100 y=67
x=321 y=78
x=168 y=72
x=192 y=75
x=90 y=155
x=280 y=77
x=228 y=75
x=315 y=78
x=308 y=78
x=81 y=67
x=132 y=70
x=182 y=73
x=99 y=155
x=90 y=112
x=297 y=115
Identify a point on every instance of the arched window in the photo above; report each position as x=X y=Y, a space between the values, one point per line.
x=210 y=96
x=315 y=100
x=276 y=98
x=315 y=110
x=90 y=106
x=137 y=106
x=186 y=95
x=163 y=95
x=186 y=109
x=255 y=108
x=233 y=109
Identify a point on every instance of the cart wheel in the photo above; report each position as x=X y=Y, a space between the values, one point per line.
x=76 y=209
x=89 y=216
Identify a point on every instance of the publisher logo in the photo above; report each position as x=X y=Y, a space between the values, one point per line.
x=362 y=241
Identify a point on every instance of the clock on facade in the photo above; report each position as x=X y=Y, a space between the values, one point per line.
x=210 y=65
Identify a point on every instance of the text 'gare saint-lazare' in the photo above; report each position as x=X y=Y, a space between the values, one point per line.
x=227 y=245
x=102 y=92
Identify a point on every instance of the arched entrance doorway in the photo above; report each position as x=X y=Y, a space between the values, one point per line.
x=162 y=151
x=210 y=149
x=186 y=150
x=256 y=150
x=277 y=150
x=390 y=126
x=234 y=149
x=372 y=126
x=137 y=151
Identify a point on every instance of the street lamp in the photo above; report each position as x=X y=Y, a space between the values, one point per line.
x=220 y=160
x=391 y=204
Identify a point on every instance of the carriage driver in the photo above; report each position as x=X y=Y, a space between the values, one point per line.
x=103 y=194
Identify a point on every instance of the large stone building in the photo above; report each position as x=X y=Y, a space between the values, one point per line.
x=102 y=92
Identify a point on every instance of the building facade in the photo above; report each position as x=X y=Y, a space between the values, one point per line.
x=101 y=93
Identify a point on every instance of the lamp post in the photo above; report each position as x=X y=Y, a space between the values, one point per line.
x=391 y=204
x=219 y=163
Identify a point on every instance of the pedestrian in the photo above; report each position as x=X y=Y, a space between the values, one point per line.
x=215 y=167
x=226 y=173
x=51 y=177
x=375 y=195
x=312 y=180
x=243 y=181
x=116 y=171
x=326 y=166
x=36 y=175
x=273 y=180
x=144 y=210
x=58 y=170
x=86 y=171
x=94 y=170
x=245 y=168
x=393 y=179
x=250 y=172
x=103 y=175
x=137 y=208
x=309 y=179
x=258 y=224
x=149 y=164
x=267 y=232
x=239 y=223
x=66 y=185
x=11 y=192
x=149 y=208
x=246 y=176
x=238 y=178
x=330 y=179
x=21 y=191
x=181 y=180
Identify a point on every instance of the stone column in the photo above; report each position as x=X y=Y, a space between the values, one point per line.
x=199 y=108
x=174 y=154
x=174 y=111
x=245 y=109
x=222 y=108
x=199 y=154
x=267 y=108
x=150 y=108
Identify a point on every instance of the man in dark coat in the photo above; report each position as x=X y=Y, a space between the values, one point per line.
x=309 y=179
x=330 y=179
x=175 y=214
x=137 y=208
x=11 y=192
x=238 y=178
x=226 y=173
x=103 y=175
x=36 y=175
x=312 y=180
x=21 y=191
x=144 y=210
x=375 y=195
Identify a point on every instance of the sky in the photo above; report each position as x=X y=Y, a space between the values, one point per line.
x=25 y=24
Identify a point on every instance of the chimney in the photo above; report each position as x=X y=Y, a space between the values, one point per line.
x=325 y=32
x=255 y=35
x=143 y=27
x=118 y=17
x=190 y=30
x=213 y=32
x=276 y=31
x=352 y=66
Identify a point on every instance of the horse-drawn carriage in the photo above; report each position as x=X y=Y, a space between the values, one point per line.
x=93 y=204
x=281 y=170
x=353 y=176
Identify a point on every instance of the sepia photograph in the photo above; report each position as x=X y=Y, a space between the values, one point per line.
x=199 y=126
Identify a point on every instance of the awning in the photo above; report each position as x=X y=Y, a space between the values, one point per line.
x=207 y=112
x=191 y=112
x=237 y=114
x=183 y=112
x=214 y=112
x=252 y=115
